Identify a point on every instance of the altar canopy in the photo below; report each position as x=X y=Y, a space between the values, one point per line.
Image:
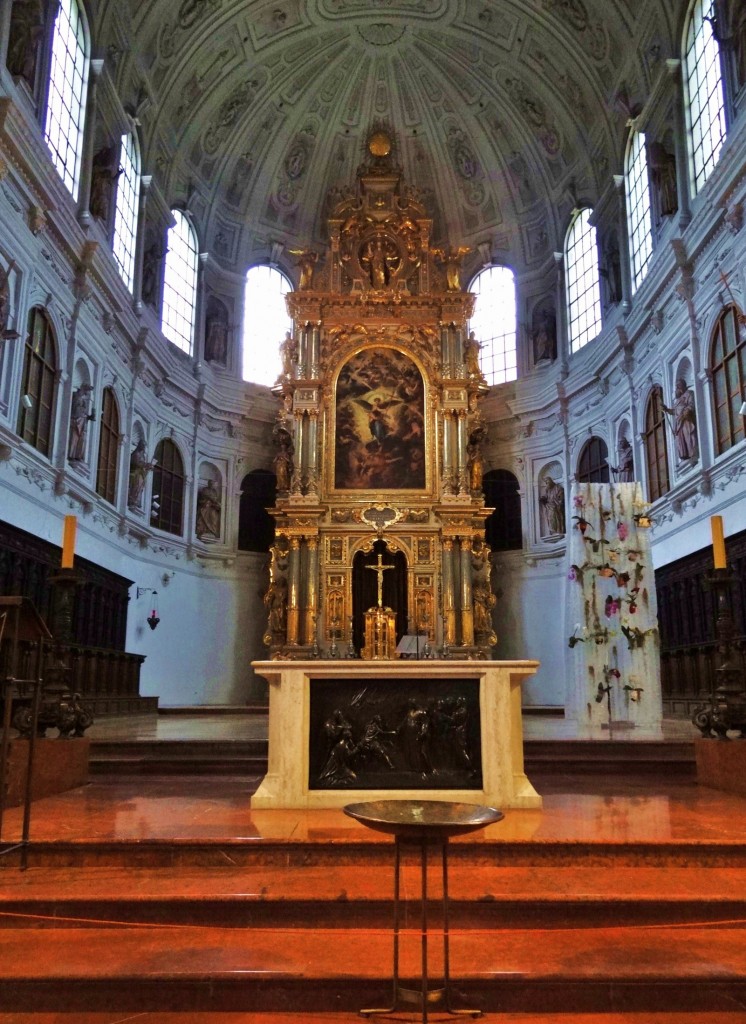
x=613 y=652
x=380 y=371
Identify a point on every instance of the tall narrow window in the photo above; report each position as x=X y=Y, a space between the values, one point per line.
x=265 y=322
x=127 y=208
x=494 y=323
x=593 y=464
x=656 y=455
x=180 y=284
x=108 y=448
x=582 y=281
x=38 y=384
x=638 y=208
x=503 y=529
x=705 y=107
x=256 y=527
x=728 y=369
x=68 y=78
x=167 y=502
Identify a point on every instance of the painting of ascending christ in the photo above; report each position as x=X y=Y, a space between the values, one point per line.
x=380 y=425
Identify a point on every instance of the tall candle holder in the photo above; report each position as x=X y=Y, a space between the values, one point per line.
x=726 y=707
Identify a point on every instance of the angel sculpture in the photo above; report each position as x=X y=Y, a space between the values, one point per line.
x=452 y=258
x=307 y=259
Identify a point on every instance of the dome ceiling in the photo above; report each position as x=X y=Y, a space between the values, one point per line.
x=505 y=111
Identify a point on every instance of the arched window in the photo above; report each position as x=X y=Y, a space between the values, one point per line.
x=38 y=384
x=703 y=83
x=503 y=529
x=265 y=321
x=180 y=284
x=127 y=208
x=256 y=527
x=656 y=455
x=108 y=448
x=494 y=323
x=581 y=281
x=593 y=464
x=728 y=369
x=638 y=207
x=167 y=502
x=68 y=79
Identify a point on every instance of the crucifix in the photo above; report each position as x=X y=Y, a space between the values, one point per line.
x=380 y=568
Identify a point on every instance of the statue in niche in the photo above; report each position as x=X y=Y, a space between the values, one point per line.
x=26 y=30
x=484 y=601
x=472 y=349
x=662 y=166
x=104 y=173
x=552 y=502
x=379 y=257
x=544 y=335
x=80 y=414
x=611 y=271
x=475 y=459
x=140 y=466
x=276 y=602
x=216 y=332
x=684 y=422
x=283 y=460
x=307 y=260
x=452 y=258
x=625 y=471
x=209 y=512
x=288 y=356
x=150 y=265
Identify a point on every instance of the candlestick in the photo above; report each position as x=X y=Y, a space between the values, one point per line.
x=68 y=541
x=718 y=543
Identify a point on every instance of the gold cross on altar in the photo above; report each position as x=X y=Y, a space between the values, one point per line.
x=380 y=568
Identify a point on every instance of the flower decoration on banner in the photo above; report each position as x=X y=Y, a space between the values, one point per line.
x=596 y=543
x=634 y=692
x=622 y=530
x=635 y=637
x=578 y=501
x=606 y=571
x=633 y=554
x=581 y=524
x=611 y=606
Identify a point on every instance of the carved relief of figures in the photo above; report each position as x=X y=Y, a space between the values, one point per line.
x=662 y=166
x=209 y=512
x=80 y=414
x=26 y=30
x=104 y=173
x=338 y=765
x=216 y=332
x=140 y=466
x=684 y=422
x=552 y=505
x=380 y=259
x=625 y=471
x=544 y=335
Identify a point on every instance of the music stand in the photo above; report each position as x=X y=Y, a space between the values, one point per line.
x=411 y=644
x=20 y=622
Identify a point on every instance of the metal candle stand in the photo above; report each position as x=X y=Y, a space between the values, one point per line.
x=726 y=707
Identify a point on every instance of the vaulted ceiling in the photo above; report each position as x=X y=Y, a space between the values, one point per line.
x=509 y=112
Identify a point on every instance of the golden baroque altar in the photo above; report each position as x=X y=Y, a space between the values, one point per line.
x=379 y=435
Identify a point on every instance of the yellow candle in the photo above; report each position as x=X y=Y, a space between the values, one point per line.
x=718 y=543
x=68 y=541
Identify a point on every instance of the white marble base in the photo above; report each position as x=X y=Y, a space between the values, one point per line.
x=504 y=781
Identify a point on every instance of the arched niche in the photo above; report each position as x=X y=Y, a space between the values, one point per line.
x=256 y=527
x=365 y=589
x=208 y=525
x=503 y=528
x=551 y=498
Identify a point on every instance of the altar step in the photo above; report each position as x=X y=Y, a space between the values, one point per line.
x=249 y=757
x=218 y=1017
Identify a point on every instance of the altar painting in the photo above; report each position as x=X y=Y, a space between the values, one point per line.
x=380 y=423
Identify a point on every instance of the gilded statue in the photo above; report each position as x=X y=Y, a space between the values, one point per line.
x=452 y=258
x=307 y=260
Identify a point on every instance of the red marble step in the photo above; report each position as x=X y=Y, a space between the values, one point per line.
x=112 y=1017
x=313 y=896
x=195 y=969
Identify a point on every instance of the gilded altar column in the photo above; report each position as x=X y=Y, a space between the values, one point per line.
x=467 y=609
x=458 y=353
x=315 y=347
x=294 y=591
x=444 y=331
x=448 y=474
x=312 y=589
x=299 y=469
x=312 y=479
x=449 y=596
x=463 y=483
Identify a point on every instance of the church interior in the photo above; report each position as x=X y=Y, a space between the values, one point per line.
x=372 y=431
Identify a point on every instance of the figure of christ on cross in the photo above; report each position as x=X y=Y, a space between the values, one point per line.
x=380 y=568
